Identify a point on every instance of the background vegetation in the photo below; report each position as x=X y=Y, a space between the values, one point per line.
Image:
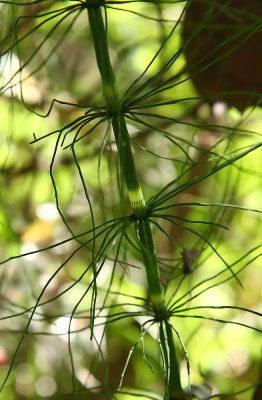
x=211 y=224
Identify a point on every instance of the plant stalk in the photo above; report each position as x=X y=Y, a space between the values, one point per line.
x=153 y=274
x=137 y=201
x=115 y=110
x=175 y=391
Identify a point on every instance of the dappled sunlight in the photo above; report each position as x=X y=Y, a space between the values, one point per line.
x=130 y=207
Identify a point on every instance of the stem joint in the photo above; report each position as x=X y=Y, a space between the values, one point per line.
x=94 y=3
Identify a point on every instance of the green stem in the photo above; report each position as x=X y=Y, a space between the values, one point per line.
x=115 y=110
x=96 y=24
x=152 y=267
x=175 y=391
x=137 y=201
x=125 y=155
x=126 y=158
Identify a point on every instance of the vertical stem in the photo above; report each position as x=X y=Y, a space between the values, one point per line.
x=175 y=391
x=126 y=158
x=153 y=275
x=115 y=110
x=137 y=201
x=125 y=155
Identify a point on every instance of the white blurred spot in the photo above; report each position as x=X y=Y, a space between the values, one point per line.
x=47 y=211
x=15 y=79
x=45 y=386
x=61 y=326
x=28 y=247
x=219 y=109
x=86 y=378
x=9 y=65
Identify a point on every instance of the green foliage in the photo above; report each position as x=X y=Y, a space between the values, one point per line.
x=130 y=204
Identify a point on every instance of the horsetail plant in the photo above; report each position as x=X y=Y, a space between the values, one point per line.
x=177 y=233
x=136 y=197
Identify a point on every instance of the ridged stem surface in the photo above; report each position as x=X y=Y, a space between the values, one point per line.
x=137 y=201
x=115 y=110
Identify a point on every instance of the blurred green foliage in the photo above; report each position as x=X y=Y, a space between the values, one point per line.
x=225 y=355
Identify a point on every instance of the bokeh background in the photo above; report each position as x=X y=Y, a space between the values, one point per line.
x=60 y=64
